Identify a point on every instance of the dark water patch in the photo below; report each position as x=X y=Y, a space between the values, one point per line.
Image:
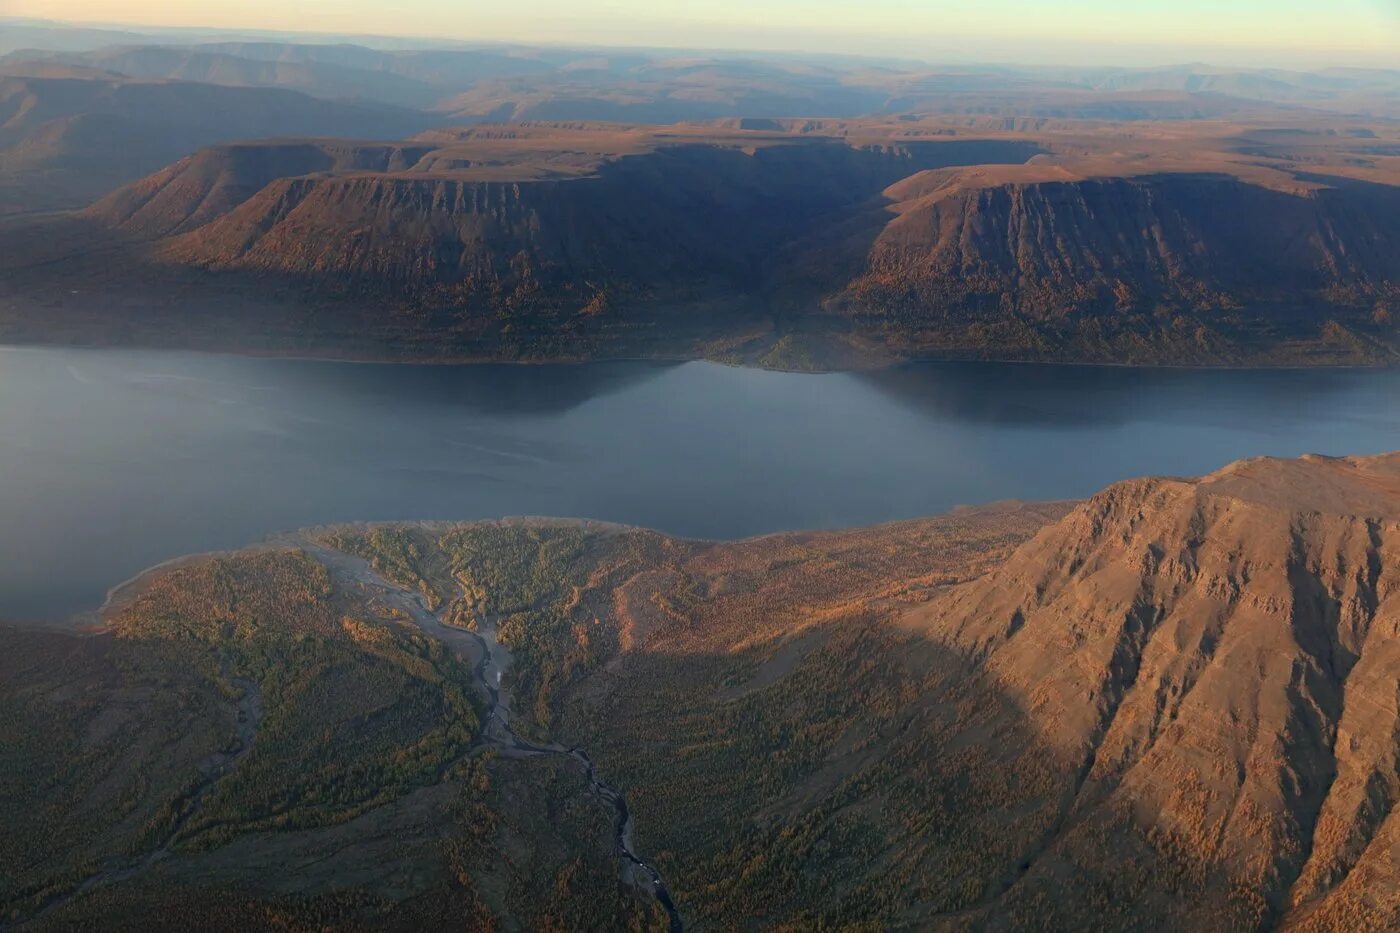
x=111 y=461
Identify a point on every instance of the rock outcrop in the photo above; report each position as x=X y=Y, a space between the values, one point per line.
x=1216 y=667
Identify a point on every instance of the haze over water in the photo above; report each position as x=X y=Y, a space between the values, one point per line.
x=116 y=460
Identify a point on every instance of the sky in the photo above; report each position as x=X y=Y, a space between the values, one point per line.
x=1275 y=32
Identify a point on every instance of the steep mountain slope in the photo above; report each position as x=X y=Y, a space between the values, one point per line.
x=65 y=140
x=1175 y=704
x=1041 y=245
x=1214 y=664
x=1260 y=247
x=671 y=213
x=1179 y=703
x=817 y=242
x=216 y=181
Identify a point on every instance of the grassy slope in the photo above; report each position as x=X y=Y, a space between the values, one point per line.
x=749 y=698
x=792 y=755
x=363 y=733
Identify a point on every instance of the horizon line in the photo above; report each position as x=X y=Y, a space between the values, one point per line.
x=1191 y=56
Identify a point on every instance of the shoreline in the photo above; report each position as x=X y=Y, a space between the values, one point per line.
x=93 y=622
x=671 y=361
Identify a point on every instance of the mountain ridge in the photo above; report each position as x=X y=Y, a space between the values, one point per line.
x=904 y=239
x=1178 y=698
x=815 y=243
x=1266 y=592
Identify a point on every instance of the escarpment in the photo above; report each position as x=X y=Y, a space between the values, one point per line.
x=1206 y=243
x=794 y=244
x=1214 y=664
x=419 y=215
x=209 y=184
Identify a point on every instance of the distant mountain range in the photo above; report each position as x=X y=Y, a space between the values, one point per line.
x=788 y=243
x=773 y=209
x=602 y=84
x=69 y=135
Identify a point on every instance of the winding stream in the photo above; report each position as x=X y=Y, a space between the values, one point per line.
x=490 y=670
x=248 y=715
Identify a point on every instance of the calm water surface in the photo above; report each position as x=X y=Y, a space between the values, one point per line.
x=111 y=461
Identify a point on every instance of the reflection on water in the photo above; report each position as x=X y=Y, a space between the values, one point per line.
x=1055 y=396
x=113 y=460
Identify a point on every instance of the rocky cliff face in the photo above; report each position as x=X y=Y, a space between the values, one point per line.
x=960 y=247
x=1215 y=667
x=211 y=183
x=412 y=216
x=1202 y=242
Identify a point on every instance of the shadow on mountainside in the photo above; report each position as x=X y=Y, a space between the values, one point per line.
x=1173 y=701
x=664 y=254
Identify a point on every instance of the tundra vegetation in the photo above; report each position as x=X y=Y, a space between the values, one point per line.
x=1019 y=715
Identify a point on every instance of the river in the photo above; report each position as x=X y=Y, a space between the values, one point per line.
x=114 y=460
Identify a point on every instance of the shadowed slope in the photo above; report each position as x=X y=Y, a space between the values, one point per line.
x=1057 y=246
x=545 y=235
x=802 y=243
x=1176 y=700
x=609 y=206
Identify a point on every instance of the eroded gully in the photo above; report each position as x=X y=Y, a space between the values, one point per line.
x=248 y=715
x=493 y=661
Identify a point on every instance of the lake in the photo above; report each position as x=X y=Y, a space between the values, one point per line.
x=116 y=460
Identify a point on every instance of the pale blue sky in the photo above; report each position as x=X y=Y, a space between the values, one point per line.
x=1124 y=31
